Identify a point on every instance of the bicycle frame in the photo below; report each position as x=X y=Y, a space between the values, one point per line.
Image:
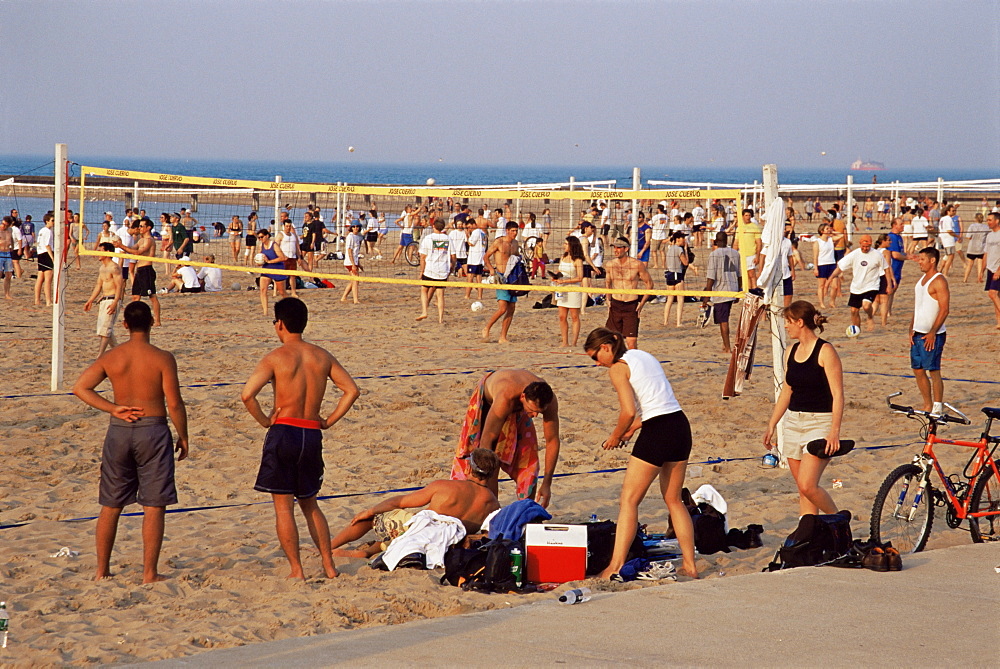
x=927 y=461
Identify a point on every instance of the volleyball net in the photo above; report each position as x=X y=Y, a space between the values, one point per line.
x=377 y=226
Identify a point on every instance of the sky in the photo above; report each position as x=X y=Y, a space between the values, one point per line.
x=811 y=83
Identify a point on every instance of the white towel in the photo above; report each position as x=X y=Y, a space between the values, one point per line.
x=429 y=533
x=710 y=495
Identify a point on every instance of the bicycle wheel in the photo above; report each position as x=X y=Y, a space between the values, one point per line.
x=892 y=507
x=985 y=497
x=412 y=254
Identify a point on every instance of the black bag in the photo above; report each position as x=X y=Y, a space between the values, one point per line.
x=709 y=529
x=601 y=545
x=483 y=569
x=517 y=276
x=818 y=540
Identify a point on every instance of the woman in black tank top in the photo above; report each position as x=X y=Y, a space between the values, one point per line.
x=812 y=402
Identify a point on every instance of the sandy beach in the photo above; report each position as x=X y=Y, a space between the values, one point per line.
x=227 y=584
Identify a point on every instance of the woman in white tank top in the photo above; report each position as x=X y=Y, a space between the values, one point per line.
x=823 y=263
x=662 y=448
x=569 y=303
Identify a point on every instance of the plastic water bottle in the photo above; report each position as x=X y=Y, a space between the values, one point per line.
x=4 y=623
x=517 y=566
x=593 y=517
x=575 y=596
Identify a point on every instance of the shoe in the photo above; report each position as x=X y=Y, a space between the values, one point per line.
x=706 y=314
x=658 y=571
x=875 y=559
x=894 y=562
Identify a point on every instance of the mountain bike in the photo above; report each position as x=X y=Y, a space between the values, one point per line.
x=903 y=512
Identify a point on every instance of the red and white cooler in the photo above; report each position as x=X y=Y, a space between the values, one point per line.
x=555 y=553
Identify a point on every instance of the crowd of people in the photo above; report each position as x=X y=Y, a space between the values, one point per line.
x=504 y=402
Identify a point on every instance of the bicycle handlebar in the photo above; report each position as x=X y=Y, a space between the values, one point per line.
x=961 y=419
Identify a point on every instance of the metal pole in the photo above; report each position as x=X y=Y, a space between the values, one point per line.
x=58 y=273
x=518 y=206
x=940 y=191
x=572 y=187
x=849 y=205
x=135 y=197
x=776 y=301
x=277 y=203
x=636 y=185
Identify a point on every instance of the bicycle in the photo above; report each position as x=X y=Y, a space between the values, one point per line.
x=904 y=513
x=412 y=254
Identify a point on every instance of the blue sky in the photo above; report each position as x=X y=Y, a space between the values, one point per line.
x=912 y=84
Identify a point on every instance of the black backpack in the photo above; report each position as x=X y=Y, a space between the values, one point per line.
x=818 y=540
x=601 y=545
x=709 y=529
x=486 y=568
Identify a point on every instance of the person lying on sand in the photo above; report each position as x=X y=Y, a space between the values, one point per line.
x=470 y=501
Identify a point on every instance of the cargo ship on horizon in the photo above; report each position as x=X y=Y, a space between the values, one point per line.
x=867 y=165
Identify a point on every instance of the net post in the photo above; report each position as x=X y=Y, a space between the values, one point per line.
x=517 y=208
x=636 y=185
x=572 y=187
x=277 y=203
x=940 y=191
x=850 y=209
x=775 y=303
x=58 y=273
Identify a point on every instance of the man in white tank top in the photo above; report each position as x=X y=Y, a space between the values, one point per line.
x=931 y=299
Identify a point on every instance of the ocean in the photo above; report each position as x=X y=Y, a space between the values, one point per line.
x=476 y=175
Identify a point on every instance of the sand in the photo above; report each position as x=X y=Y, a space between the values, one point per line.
x=227 y=584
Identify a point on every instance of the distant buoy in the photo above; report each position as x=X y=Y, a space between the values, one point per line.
x=431 y=182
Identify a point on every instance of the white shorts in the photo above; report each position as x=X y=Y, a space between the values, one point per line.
x=106 y=321
x=801 y=427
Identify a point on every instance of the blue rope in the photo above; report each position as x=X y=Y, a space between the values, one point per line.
x=614 y=470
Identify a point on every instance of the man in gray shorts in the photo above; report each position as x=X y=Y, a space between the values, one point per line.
x=137 y=462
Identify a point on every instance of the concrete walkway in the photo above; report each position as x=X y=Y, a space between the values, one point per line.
x=943 y=609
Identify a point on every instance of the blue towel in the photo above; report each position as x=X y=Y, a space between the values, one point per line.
x=511 y=519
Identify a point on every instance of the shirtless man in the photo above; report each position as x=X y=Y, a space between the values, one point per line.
x=144 y=279
x=137 y=462
x=109 y=287
x=624 y=309
x=7 y=253
x=292 y=464
x=500 y=252
x=470 y=501
x=499 y=417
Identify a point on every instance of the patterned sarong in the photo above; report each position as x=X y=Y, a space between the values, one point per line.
x=517 y=444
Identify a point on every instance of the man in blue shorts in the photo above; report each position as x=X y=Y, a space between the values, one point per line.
x=500 y=252
x=137 y=461
x=291 y=467
x=896 y=250
x=931 y=300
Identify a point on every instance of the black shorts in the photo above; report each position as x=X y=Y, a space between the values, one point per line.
x=992 y=281
x=15 y=255
x=197 y=289
x=857 y=301
x=137 y=463
x=883 y=286
x=588 y=271
x=475 y=270
x=664 y=438
x=788 y=286
x=622 y=317
x=371 y=236
x=292 y=461
x=973 y=256
x=144 y=281
x=721 y=311
x=673 y=278
x=45 y=262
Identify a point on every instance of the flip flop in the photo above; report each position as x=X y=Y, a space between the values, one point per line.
x=817 y=447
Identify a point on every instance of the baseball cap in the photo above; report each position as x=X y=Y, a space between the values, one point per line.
x=108 y=213
x=621 y=242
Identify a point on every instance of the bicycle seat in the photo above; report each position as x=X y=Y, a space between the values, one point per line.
x=991 y=412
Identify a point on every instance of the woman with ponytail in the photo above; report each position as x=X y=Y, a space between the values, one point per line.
x=661 y=450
